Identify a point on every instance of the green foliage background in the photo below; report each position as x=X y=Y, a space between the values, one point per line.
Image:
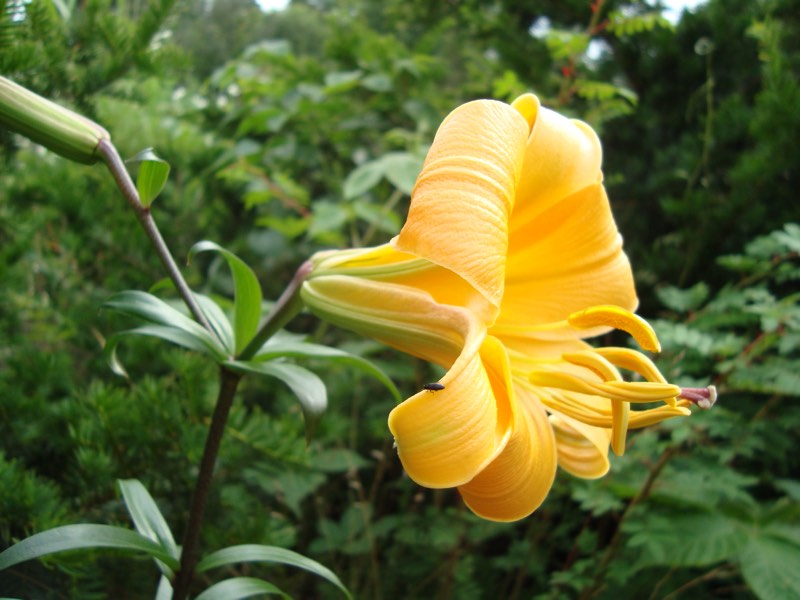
x=292 y=131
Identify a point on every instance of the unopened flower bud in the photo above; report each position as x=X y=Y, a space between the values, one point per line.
x=57 y=128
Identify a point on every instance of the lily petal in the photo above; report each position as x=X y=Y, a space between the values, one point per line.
x=562 y=156
x=400 y=316
x=445 y=438
x=566 y=259
x=463 y=198
x=582 y=449
x=385 y=263
x=519 y=479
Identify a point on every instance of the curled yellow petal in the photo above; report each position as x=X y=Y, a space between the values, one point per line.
x=444 y=439
x=463 y=198
x=528 y=106
x=617 y=318
x=518 y=480
x=582 y=449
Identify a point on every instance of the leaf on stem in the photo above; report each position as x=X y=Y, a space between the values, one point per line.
x=164 y=322
x=152 y=175
x=247 y=293
x=147 y=519
x=240 y=587
x=275 y=348
x=308 y=387
x=269 y=554
x=79 y=537
x=218 y=320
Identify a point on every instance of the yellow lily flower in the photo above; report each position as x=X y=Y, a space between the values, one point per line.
x=509 y=258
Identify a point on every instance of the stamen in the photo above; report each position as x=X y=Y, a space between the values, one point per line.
x=595 y=363
x=618 y=318
x=645 y=418
x=619 y=409
x=622 y=390
x=703 y=397
x=573 y=407
x=626 y=358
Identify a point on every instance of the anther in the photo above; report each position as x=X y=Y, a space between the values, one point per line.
x=702 y=397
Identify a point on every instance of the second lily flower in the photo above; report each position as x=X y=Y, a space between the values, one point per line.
x=510 y=257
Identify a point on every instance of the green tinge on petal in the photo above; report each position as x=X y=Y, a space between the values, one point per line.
x=385 y=263
x=400 y=316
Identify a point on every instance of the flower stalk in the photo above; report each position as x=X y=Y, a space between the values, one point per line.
x=229 y=381
x=114 y=163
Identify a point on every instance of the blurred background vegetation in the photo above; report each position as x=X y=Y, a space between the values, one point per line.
x=301 y=129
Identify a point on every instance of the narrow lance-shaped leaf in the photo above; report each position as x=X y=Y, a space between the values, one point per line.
x=295 y=349
x=247 y=293
x=218 y=320
x=308 y=387
x=81 y=537
x=147 y=307
x=268 y=554
x=164 y=591
x=147 y=519
x=240 y=587
x=170 y=334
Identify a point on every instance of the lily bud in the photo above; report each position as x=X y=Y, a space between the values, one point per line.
x=57 y=128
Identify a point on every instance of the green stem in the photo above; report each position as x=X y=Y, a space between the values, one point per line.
x=285 y=308
x=125 y=184
x=229 y=381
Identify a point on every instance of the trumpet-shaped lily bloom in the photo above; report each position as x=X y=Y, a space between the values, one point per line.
x=509 y=259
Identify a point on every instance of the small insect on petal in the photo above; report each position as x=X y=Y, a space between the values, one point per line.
x=433 y=387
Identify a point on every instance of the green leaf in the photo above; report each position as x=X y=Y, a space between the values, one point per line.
x=247 y=293
x=683 y=301
x=270 y=554
x=146 y=517
x=170 y=334
x=164 y=591
x=308 y=387
x=341 y=81
x=276 y=348
x=147 y=307
x=363 y=178
x=378 y=82
x=152 y=175
x=672 y=539
x=778 y=376
x=239 y=587
x=218 y=320
x=377 y=216
x=78 y=537
x=402 y=170
x=769 y=566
